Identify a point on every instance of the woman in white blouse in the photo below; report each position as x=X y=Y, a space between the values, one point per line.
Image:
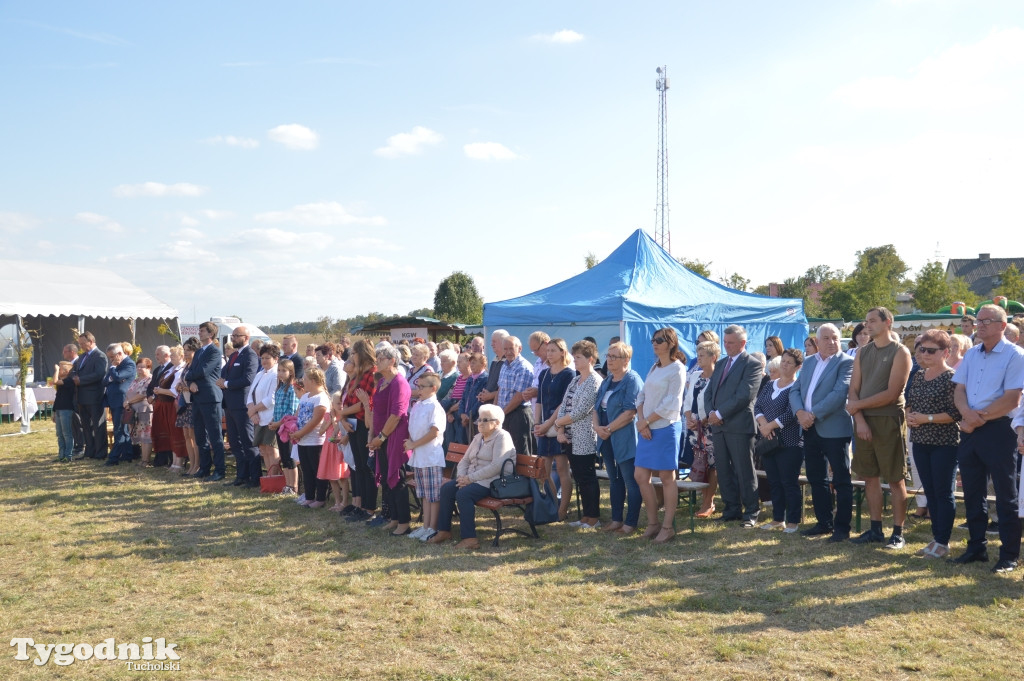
x=659 y=408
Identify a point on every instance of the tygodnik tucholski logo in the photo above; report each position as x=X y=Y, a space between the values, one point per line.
x=152 y=654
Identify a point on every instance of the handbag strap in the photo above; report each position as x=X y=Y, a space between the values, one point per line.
x=277 y=467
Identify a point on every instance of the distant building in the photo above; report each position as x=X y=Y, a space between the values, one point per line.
x=981 y=273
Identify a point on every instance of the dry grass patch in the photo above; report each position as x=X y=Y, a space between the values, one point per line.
x=254 y=587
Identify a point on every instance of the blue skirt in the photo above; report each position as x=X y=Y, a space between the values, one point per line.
x=661 y=452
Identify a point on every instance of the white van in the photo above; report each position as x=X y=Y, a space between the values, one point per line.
x=225 y=327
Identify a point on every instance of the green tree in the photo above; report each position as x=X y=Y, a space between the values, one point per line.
x=324 y=329
x=736 y=281
x=762 y=290
x=697 y=266
x=879 y=275
x=457 y=300
x=931 y=291
x=590 y=260
x=1011 y=284
x=960 y=291
x=422 y=312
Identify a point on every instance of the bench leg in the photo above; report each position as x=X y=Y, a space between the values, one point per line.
x=501 y=529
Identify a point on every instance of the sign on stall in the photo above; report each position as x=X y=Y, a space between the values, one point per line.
x=408 y=334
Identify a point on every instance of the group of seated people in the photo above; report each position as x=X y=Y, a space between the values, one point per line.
x=363 y=420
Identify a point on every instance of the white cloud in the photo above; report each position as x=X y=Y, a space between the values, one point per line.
x=294 y=136
x=189 y=234
x=565 y=36
x=321 y=214
x=158 y=189
x=12 y=223
x=279 y=238
x=408 y=143
x=232 y=141
x=99 y=221
x=980 y=75
x=489 y=151
x=210 y=214
x=187 y=221
x=361 y=262
x=45 y=246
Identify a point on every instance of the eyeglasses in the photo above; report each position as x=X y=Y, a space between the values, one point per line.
x=986 y=322
x=658 y=340
x=487 y=421
x=928 y=351
x=614 y=357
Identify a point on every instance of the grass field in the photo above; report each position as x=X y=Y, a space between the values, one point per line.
x=255 y=587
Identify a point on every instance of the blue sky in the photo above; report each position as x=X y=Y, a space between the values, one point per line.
x=286 y=161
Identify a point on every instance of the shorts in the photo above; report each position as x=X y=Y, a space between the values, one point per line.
x=428 y=482
x=885 y=454
x=263 y=435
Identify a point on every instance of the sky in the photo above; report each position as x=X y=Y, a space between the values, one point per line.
x=285 y=161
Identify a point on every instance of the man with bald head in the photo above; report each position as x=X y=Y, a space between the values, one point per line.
x=818 y=398
x=235 y=379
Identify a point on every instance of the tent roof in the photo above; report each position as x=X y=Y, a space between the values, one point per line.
x=41 y=289
x=640 y=281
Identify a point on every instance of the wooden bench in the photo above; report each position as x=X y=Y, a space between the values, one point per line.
x=687 y=494
x=526 y=466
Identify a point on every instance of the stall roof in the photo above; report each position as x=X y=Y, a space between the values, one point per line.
x=44 y=289
x=430 y=323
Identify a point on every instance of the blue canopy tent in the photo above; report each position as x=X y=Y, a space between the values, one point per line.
x=640 y=288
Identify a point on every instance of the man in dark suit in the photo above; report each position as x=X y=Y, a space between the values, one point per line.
x=730 y=406
x=201 y=379
x=161 y=363
x=235 y=379
x=289 y=351
x=87 y=375
x=818 y=398
x=119 y=377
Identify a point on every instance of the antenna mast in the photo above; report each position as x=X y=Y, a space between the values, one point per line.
x=661 y=231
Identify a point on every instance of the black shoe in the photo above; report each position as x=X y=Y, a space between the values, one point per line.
x=75 y=456
x=348 y=510
x=358 y=515
x=216 y=477
x=110 y=463
x=251 y=484
x=730 y=518
x=869 y=537
x=838 y=537
x=235 y=483
x=1004 y=566
x=993 y=527
x=377 y=521
x=817 y=531
x=199 y=475
x=970 y=557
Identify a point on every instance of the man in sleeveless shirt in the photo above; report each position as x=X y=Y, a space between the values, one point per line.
x=880 y=372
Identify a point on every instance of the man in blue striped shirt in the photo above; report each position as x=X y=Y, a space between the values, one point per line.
x=516 y=376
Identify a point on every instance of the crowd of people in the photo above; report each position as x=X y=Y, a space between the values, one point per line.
x=360 y=423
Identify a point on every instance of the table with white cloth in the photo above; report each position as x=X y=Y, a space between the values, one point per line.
x=10 y=396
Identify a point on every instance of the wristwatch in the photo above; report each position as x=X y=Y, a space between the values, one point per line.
x=931 y=418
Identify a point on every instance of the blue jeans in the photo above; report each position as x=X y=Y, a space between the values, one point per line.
x=936 y=465
x=623 y=487
x=122 y=450
x=465 y=498
x=65 y=434
x=782 y=468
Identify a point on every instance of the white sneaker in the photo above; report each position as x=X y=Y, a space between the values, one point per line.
x=301 y=499
x=427 y=535
x=585 y=527
x=575 y=523
x=417 y=533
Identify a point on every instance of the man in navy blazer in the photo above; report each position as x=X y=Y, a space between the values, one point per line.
x=235 y=379
x=87 y=375
x=818 y=398
x=119 y=377
x=201 y=379
x=730 y=406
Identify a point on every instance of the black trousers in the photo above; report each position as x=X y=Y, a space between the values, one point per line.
x=584 y=472
x=363 y=484
x=77 y=433
x=519 y=424
x=991 y=451
x=396 y=499
x=94 y=430
x=309 y=460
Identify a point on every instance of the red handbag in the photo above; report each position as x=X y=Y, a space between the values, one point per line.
x=272 y=483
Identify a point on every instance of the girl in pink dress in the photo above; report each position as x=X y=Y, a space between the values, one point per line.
x=332 y=461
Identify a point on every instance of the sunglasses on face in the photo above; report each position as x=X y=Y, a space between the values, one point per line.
x=658 y=340
x=487 y=421
x=927 y=351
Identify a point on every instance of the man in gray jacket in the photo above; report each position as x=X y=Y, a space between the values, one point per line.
x=818 y=398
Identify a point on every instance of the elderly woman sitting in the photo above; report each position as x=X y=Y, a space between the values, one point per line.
x=491 y=448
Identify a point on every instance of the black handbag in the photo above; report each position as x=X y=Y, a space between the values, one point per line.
x=510 y=486
x=766 y=445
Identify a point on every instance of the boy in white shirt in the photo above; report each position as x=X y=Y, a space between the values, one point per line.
x=426 y=433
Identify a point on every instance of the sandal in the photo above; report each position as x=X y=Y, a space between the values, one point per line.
x=705 y=513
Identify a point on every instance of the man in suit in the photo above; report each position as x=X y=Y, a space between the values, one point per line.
x=235 y=379
x=87 y=375
x=201 y=379
x=161 y=363
x=730 y=406
x=289 y=351
x=119 y=377
x=818 y=398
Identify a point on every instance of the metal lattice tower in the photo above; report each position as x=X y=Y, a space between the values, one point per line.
x=661 y=231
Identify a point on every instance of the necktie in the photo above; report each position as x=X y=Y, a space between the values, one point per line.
x=728 y=365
